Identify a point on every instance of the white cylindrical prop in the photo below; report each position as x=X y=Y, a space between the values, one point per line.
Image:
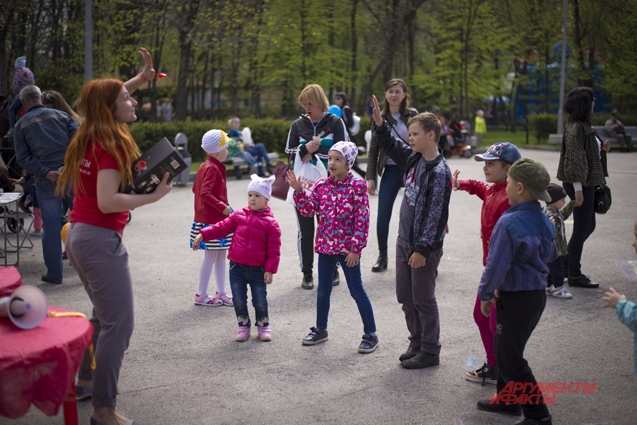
x=26 y=307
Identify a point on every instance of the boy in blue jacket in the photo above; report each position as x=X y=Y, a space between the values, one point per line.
x=423 y=217
x=515 y=279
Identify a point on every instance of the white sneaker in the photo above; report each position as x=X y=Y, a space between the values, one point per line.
x=561 y=293
x=550 y=289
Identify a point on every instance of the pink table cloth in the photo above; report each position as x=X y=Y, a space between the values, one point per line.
x=38 y=366
x=10 y=280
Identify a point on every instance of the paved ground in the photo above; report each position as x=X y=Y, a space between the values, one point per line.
x=183 y=366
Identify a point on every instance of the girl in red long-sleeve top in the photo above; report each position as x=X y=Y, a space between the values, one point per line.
x=497 y=160
x=211 y=207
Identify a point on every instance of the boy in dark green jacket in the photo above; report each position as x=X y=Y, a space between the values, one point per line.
x=557 y=213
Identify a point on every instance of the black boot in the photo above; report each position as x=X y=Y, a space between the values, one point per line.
x=381 y=262
x=308 y=280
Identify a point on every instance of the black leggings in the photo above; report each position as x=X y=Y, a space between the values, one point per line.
x=583 y=227
x=305 y=241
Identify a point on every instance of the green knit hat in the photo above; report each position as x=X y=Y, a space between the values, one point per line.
x=533 y=175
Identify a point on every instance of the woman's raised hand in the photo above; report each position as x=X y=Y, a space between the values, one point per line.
x=148 y=73
x=378 y=120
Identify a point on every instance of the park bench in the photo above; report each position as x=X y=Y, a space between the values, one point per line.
x=238 y=162
x=632 y=130
x=556 y=139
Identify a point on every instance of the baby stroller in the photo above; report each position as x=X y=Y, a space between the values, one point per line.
x=14 y=224
x=458 y=141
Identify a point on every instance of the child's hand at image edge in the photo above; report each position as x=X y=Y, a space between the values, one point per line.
x=611 y=298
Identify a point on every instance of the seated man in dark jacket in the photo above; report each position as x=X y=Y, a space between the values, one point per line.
x=616 y=129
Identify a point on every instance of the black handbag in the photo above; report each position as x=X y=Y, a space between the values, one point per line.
x=603 y=199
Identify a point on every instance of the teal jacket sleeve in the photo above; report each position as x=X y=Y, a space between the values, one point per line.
x=627 y=314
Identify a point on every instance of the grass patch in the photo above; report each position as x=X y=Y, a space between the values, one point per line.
x=518 y=138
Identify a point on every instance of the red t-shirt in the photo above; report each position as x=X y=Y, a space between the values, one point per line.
x=85 y=209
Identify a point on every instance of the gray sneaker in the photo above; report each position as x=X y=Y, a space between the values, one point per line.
x=369 y=344
x=316 y=336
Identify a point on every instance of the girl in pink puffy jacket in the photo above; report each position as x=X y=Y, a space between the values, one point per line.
x=254 y=255
x=342 y=206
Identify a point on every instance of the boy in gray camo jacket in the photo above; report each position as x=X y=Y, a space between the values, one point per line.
x=421 y=231
x=557 y=213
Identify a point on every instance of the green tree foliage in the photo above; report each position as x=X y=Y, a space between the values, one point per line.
x=253 y=57
x=621 y=60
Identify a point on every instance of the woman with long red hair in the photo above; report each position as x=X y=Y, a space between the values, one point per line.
x=98 y=164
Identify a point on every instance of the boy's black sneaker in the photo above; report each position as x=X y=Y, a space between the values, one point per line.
x=316 y=336
x=369 y=344
x=308 y=280
x=421 y=360
x=487 y=374
x=507 y=409
x=582 y=281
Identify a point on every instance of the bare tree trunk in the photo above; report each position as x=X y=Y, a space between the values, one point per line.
x=547 y=58
x=181 y=101
x=185 y=47
x=354 y=68
x=397 y=22
x=202 y=103
x=579 y=48
x=330 y=43
x=7 y=20
x=303 y=12
x=213 y=69
x=158 y=46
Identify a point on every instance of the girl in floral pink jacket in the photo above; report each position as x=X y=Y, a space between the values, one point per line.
x=342 y=206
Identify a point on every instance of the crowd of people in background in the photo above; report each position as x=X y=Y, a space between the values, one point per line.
x=81 y=160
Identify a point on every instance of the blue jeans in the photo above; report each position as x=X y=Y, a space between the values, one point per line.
x=13 y=109
x=52 y=209
x=326 y=267
x=556 y=272
x=259 y=152
x=240 y=277
x=390 y=184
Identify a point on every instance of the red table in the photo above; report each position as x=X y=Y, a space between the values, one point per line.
x=10 y=280
x=38 y=366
